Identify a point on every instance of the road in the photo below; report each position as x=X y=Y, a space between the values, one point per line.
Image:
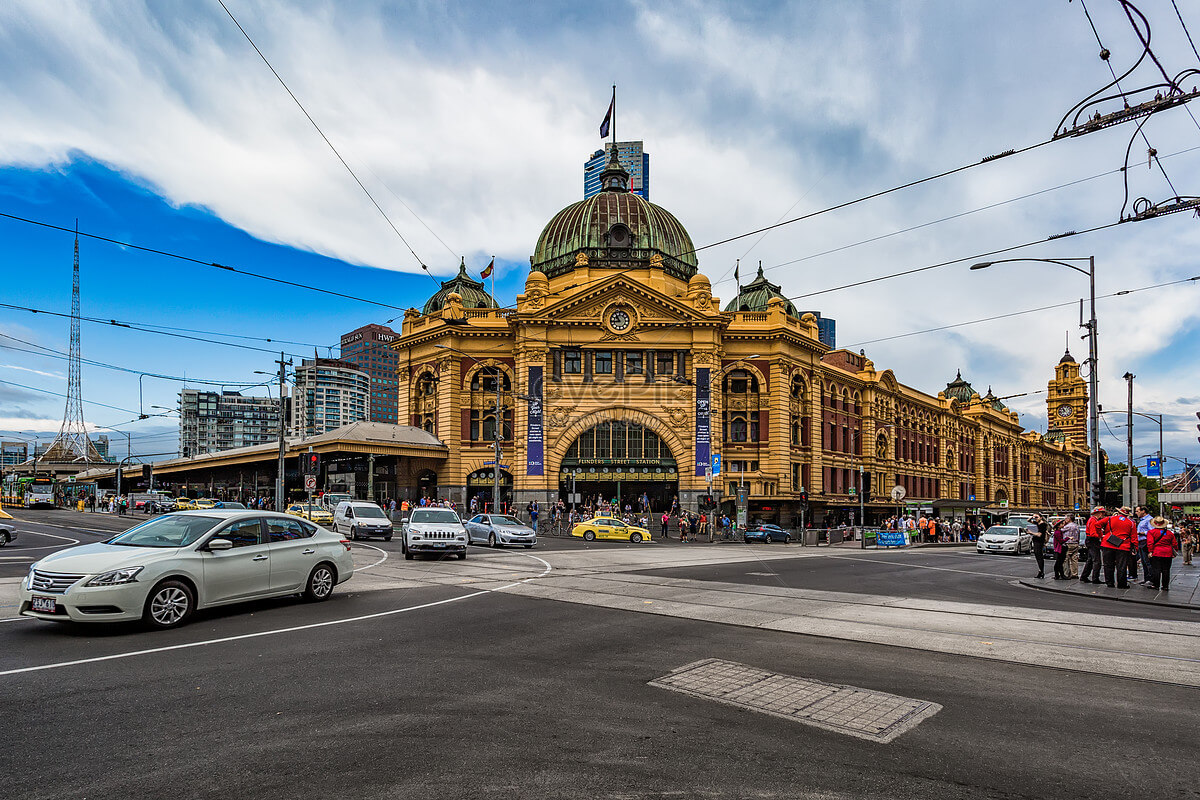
x=453 y=679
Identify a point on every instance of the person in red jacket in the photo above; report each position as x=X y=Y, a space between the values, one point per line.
x=1116 y=547
x=1161 y=544
x=1097 y=527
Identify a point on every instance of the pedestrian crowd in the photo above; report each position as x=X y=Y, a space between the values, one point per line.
x=1118 y=543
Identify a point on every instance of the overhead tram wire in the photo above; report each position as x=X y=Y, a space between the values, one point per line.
x=308 y=116
x=202 y=263
x=1120 y=293
x=1185 y=30
x=136 y=327
x=59 y=394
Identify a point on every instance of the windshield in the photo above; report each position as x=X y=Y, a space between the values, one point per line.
x=368 y=512
x=173 y=530
x=503 y=520
x=434 y=515
x=1003 y=530
x=334 y=499
x=227 y=504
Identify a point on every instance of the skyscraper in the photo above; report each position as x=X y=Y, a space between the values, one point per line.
x=330 y=393
x=367 y=349
x=631 y=156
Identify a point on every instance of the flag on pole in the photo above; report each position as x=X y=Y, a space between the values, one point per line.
x=608 y=116
x=487 y=272
x=736 y=266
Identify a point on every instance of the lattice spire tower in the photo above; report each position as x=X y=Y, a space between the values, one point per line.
x=72 y=443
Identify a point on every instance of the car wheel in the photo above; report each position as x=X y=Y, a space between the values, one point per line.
x=528 y=546
x=636 y=538
x=767 y=539
x=387 y=538
x=462 y=556
x=354 y=534
x=169 y=604
x=408 y=556
x=3 y=538
x=787 y=539
x=589 y=536
x=491 y=540
x=320 y=583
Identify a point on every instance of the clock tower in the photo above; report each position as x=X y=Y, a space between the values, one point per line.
x=1066 y=401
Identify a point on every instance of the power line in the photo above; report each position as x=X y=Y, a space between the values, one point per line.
x=308 y=116
x=60 y=394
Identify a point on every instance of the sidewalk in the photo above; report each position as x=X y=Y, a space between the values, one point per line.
x=1184 y=593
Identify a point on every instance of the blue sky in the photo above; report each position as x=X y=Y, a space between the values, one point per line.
x=158 y=125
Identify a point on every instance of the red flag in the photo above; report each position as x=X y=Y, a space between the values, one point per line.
x=487 y=272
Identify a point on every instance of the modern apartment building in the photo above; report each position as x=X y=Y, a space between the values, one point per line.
x=367 y=349
x=13 y=453
x=631 y=156
x=210 y=422
x=330 y=393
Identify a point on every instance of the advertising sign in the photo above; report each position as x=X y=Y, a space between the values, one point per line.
x=534 y=438
x=1153 y=468
x=703 y=422
x=891 y=538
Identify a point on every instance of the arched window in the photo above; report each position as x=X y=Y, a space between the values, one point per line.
x=800 y=412
x=483 y=417
x=424 y=403
x=740 y=392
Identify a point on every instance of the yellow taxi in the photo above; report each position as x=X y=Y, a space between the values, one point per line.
x=317 y=514
x=205 y=503
x=609 y=528
x=185 y=504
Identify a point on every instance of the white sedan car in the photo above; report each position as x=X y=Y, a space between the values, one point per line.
x=164 y=569
x=1004 y=539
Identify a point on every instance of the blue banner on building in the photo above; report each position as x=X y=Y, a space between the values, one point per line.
x=703 y=422
x=534 y=439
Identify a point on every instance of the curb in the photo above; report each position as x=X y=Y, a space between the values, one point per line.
x=1056 y=590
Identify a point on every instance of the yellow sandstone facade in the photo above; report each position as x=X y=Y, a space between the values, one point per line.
x=620 y=375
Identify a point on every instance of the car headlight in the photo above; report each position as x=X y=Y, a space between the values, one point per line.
x=115 y=577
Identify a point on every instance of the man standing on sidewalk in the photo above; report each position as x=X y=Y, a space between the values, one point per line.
x=1070 y=535
x=1097 y=526
x=1143 y=554
x=1117 y=547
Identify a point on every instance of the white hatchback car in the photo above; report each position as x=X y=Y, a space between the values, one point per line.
x=164 y=569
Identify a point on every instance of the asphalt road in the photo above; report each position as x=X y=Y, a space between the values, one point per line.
x=445 y=691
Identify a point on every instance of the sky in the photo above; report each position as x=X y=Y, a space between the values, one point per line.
x=158 y=125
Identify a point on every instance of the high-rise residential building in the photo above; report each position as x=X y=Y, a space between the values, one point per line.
x=330 y=393
x=12 y=453
x=367 y=349
x=631 y=156
x=101 y=444
x=210 y=422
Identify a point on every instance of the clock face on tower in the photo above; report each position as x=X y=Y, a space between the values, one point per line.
x=1065 y=411
x=618 y=320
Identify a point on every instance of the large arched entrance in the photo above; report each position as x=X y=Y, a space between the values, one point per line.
x=620 y=463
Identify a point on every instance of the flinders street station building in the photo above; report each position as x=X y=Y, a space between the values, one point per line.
x=619 y=374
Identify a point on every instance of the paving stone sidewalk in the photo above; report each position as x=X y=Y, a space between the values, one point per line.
x=1184 y=591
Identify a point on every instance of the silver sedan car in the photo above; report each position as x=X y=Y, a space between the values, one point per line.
x=164 y=569
x=498 y=530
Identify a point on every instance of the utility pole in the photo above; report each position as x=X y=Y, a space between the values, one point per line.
x=496 y=469
x=282 y=422
x=1129 y=496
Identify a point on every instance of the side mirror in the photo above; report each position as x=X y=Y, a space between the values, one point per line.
x=219 y=544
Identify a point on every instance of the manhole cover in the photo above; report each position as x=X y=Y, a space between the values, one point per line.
x=876 y=716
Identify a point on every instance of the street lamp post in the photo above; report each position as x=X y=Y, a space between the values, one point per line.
x=1096 y=487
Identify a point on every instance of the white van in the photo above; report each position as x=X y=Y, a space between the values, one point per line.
x=359 y=519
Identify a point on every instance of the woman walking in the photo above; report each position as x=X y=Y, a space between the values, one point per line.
x=1060 y=552
x=1162 y=544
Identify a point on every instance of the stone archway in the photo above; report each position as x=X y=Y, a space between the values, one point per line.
x=680 y=449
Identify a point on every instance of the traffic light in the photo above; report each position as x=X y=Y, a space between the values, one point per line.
x=146 y=471
x=311 y=463
x=803 y=495
x=866 y=487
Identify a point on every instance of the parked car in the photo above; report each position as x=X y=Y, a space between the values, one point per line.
x=766 y=533
x=7 y=532
x=185 y=504
x=205 y=503
x=229 y=505
x=1004 y=539
x=168 y=567
x=361 y=520
x=163 y=505
x=610 y=528
x=312 y=513
x=498 y=530
x=435 y=531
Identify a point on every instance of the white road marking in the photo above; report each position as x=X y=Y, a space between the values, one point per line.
x=375 y=564
x=18 y=558
x=69 y=540
x=294 y=629
x=923 y=566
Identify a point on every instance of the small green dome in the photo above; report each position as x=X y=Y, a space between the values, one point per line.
x=755 y=296
x=959 y=389
x=472 y=292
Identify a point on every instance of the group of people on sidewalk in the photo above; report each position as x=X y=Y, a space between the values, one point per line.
x=1115 y=544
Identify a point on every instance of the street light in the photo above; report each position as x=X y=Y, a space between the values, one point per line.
x=1093 y=362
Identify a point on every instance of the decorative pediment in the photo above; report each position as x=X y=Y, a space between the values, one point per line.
x=592 y=303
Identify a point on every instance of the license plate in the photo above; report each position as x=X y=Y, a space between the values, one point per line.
x=47 y=605
x=439 y=544
x=993 y=547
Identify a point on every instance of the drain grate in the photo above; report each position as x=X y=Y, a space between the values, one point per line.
x=875 y=716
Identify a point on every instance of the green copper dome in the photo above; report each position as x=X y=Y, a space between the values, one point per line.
x=614 y=229
x=755 y=295
x=471 y=291
x=959 y=389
